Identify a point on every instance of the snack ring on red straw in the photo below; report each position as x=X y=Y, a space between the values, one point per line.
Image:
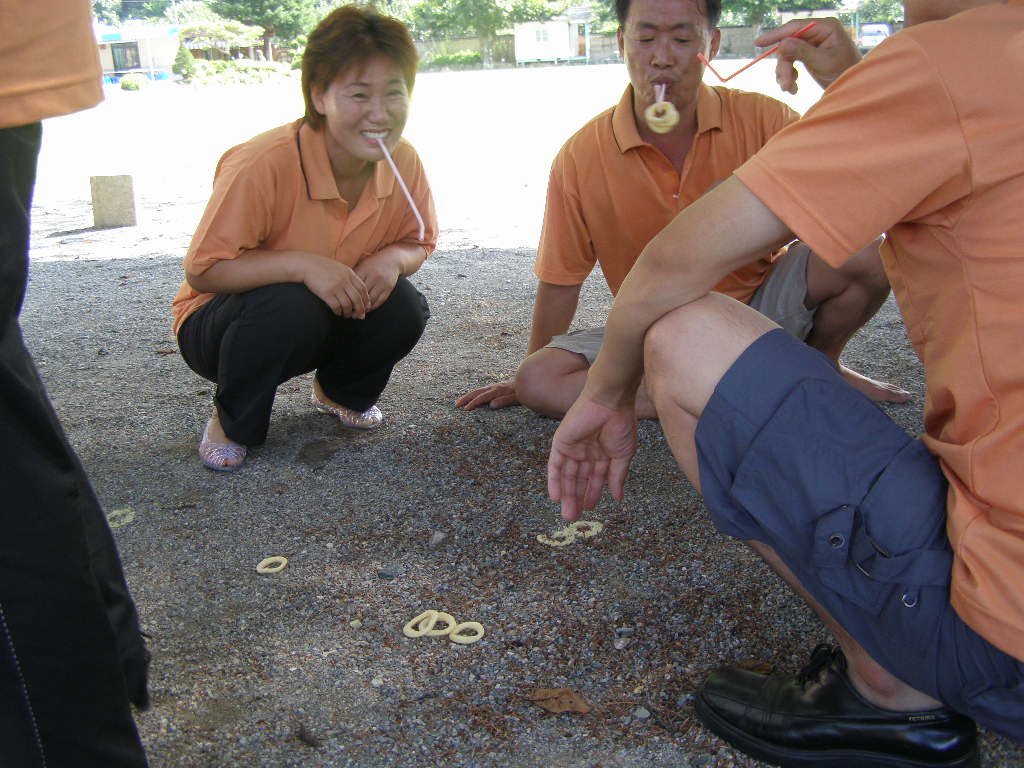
x=661 y=116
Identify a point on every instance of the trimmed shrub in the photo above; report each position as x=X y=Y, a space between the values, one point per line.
x=184 y=64
x=456 y=60
x=133 y=81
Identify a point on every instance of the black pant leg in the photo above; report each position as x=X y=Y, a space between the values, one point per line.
x=69 y=640
x=250 y=343
x=362 y=353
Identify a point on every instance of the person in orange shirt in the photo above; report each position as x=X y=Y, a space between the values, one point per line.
x=72 y=656
x=910 y=550
x=301 y=260
x=616 y=183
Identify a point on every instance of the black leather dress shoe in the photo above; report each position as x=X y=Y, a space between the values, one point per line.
x=817 y=718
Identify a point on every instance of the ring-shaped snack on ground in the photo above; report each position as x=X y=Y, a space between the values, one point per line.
x=560 y=538
x=661 y=116
x=273 y=564
x=449 y=624
x=421 y=625
x=586 y=528
x=457 y=636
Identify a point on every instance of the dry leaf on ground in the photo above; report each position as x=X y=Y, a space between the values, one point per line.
x=560 y=700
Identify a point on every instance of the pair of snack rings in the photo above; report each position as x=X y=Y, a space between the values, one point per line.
x=426 y=624
x=581 y=528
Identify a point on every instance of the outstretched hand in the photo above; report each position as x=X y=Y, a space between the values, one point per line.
x=593 y=447
x=825 y=49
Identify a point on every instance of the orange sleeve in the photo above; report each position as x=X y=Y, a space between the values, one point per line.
x=882 y=146
x=239 y=215
x=565 y=255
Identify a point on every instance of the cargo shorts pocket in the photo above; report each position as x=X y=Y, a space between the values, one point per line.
x=844 y=495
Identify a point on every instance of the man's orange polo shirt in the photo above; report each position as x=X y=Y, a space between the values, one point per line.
x=51 y=64
x=925 y=139
x=610 y=192
x=277 y=192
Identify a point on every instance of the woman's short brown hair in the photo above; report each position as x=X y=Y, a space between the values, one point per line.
x=349 y=37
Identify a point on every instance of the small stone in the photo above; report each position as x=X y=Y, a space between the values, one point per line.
x=377 y=682
x=625 y=631
x=641 y=713
x=437 y=538
x=684 y=701
x=388 y=572
x=621 y=642
x=355 y=623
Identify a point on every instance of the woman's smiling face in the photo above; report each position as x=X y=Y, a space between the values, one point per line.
x=361 y=105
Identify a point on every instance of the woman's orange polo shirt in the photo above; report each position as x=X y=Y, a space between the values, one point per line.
x=277 y=192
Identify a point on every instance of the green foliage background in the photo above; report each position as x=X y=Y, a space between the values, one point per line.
x=288 y=22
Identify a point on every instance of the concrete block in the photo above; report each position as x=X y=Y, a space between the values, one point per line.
x=113 y=201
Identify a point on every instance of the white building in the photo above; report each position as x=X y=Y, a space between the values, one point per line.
x=137 y=47
x=561 y=39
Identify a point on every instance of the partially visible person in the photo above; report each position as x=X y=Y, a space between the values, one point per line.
x=300 y=262
x=72 y=658
x=910 y=550
x=616 y=183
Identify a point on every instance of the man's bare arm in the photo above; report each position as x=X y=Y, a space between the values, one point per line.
x=595 y=442
x=703 y=243
x=553 y=310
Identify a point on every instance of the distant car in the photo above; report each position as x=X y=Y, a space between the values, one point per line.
x=871 y=35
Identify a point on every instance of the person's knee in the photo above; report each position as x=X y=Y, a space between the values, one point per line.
x=279 y=321
x=865 y=272
x=406 y=311
x=288 y=309
x=688 y=350
x=542 y=374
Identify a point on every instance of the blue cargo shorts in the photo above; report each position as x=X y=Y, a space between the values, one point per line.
x=792 y=456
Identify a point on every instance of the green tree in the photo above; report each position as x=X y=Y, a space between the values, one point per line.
x=887 y=11
x=184 y=64
x=756 y=13
x=484 y=18
x=220 y=33
x=284 y=20
x=187 y=11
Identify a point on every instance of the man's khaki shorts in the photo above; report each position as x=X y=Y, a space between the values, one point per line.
x=780 y=298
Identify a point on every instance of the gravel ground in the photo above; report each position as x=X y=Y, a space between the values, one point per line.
x=437 y=509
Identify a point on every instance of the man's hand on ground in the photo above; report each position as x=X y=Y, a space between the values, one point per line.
x=500 y=395
x=593 y=447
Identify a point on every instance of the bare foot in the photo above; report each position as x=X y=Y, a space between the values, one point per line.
x=879 y=391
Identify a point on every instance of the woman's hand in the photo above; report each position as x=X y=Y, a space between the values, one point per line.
x=337 y=285
x=380 y=273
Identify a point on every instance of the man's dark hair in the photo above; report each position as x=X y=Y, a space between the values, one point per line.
x=713 y=9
